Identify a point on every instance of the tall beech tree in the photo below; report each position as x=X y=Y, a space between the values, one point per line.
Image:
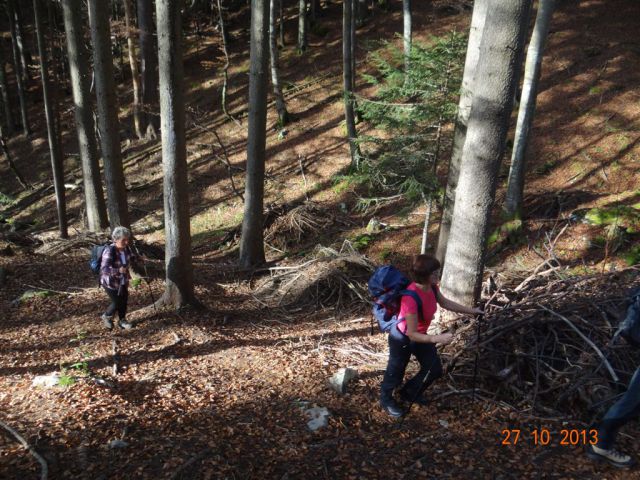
x=493 y=90
x=462 y=119
x=281 y=107
x=107 y=103
x=406 y=32
x=303 y=23
x=148 y=66
x=18 y=67
x=80 y=83
x=135 y=71
x=532 y=69
x=179 y=277
x=252 y=241
x=55 y=150
x=6 y=99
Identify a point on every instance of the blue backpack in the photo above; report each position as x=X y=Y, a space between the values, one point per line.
x=387 y=285
x=95 y=262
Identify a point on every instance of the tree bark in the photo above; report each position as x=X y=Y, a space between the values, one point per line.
x=460 y=130
x=347 y=63
x=17 y=62
x=57 y=165
x=148 y=66
x=179 y=278
x=252 y=243
x=493 y=87
x=302 y=25
x=6 y=100
x=135 y=72
x=25 y=56
x=12 y=166
x=281 y=107
x=406 y=33
x=107 y=103
x=533 y=66
x=79 y=72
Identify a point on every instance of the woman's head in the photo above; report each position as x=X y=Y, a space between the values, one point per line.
x=425 y=269
x=121 y=236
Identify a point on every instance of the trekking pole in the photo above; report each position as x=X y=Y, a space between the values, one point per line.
x=415 y=396
x=146 y=277
x=475 y=363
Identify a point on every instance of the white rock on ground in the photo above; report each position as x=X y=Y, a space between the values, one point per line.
x=338 y=382
x=50 y=380
x=319 y=418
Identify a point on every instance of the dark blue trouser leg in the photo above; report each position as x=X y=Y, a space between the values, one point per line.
x=625 y=409
x=399 y=354
x=430 y=368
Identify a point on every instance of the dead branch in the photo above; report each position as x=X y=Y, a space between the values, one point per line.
x=27 y=446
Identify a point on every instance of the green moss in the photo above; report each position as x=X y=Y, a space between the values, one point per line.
x=632 y=257
x=624 y=216
x=509 y=232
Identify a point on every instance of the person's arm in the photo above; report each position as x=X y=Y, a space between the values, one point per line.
x=107 y=267
x=415 y=336
x=452 y=306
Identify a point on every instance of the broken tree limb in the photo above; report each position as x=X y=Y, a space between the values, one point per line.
x=32 y=451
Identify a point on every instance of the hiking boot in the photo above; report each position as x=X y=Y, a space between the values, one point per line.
x=123 y=324
x=392 y=408
x=411 y=398
x=613 y=456
x=107 y=321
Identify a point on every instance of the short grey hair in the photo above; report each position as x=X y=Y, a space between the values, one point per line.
x=120 y=232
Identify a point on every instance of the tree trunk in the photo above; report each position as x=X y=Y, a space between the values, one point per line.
x=347 y=63
x=281 y=108
x=148 y=66
x=57 y=165
x=316 y=10
x=462 y=118
x=252 y=243
x=179 y=280
x=135 y=73
x=493 y=87
x=302 y=25
x=533 y=64
x=17 y=62
x=79 y=72
x=406 y=33
x=108 y=124
x=6 y=100
x=281 y=15
x=25 y=56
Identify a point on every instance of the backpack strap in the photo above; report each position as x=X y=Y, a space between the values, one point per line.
x=416 y=298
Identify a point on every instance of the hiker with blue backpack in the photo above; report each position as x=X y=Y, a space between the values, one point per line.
x=115 y=261
x=405 y=310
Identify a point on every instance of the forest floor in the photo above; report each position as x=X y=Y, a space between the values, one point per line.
x=221 y=393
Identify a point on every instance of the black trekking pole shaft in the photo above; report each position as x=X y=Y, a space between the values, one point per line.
x=146 y=277
x=475 y=363
x=415 y=396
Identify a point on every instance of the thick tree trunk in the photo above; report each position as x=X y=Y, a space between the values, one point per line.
x=6 y=100
x=347 y=64
x=135 y=72
x=108 y=124
x=533 y=64
x=252 y=242
x=493 y=87
x=19 y=73
x=406 y=32
x=179 y=281
x=302 y=25
x=55 y=150
x=281 y=107
x=148 y=66
x=462 y=118
x=79 y=71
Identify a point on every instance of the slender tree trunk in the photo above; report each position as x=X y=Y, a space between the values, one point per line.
x=533 y=66
x=12 y=166
x=462 y=118
x=148 y=65
x=108 y=124
x=281 y=107
x=57 y=66
x=316 y=10
x=17 y=62
x=252 y=242
x=493 y=86
x=347 y=63
x=6 y=100
x=79 y=71
x=302 y=25
x=281 y=15
x=406 y=33
x=57 y=165
x=179 y=280
x=25 y=56
x=135 y=72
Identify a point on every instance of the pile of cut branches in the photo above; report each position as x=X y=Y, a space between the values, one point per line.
x=545 y=346
x=330 y=278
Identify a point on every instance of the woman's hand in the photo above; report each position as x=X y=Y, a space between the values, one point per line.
x=123 y=270
x=477 y=311
x=444 y=338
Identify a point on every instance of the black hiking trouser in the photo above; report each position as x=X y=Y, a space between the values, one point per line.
x=625 y=409
x=119 y=300
x=400 y=350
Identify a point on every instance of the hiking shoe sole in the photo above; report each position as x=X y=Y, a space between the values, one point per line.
x=602 y=458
